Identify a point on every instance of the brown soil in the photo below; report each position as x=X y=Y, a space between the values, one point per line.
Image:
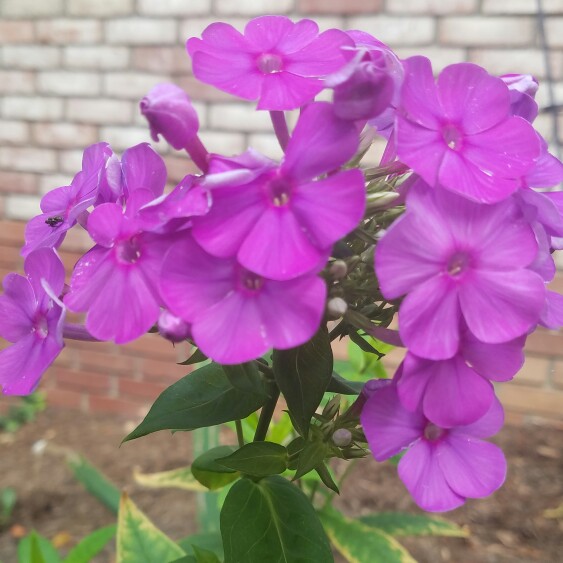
x=508 y=527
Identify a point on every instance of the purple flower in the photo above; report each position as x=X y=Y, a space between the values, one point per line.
x=237 y=315
x=458 y=260
x=276 y=61
x=523 y=88
x=459 y=133
x=282 y=222
x=442 y=466
x=170 y=113
x=63 y=207
x=31 y=316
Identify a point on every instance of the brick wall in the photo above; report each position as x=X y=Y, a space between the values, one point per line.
x=72 y=72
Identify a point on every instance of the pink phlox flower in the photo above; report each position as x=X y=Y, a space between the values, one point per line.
x=457 y=391
x=458 y=132
x=442 y=466
x=523 y=88
x=281 y=222
x=276 y=61
x=31 y=317
x=458 y=260
x=63 y=207
x=236 y=315
x=171 y=114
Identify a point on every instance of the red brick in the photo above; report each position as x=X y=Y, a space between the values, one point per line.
x=68 y=31
x=130 y=388
x=65 y=398
x=339 y=7
x=556 y=375
x=533 y=401
x=16 y=31
x=173 y=60
x=18 y=182
x=64 y=135
x=109 y=364
x=202 y=92
x=162 y=372
x=117 y=406
x=543 y=342
x=91 y=383
x=178 y=167
x=534 y=372
x=11 y=233
x=150 y=346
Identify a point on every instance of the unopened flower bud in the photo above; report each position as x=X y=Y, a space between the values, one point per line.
x=523 y=88
x=338 y=269
x=336 y=308
x=331 y=408
x=170 y=113
x=172 y=327
x=342 y=437
x=380 y=200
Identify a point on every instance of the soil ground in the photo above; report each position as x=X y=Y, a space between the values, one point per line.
x=508 y=527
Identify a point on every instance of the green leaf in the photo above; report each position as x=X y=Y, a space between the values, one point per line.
x=197 y=357
x=210 y=541
x=258 y=459
x=364 y=345
x=95 y=482
x=245 y=377
x=401 y=524
x=91 y=545
x=312 y=454
x=181 y=478
x=281 y=430
x=359 y=543
x=273 y=521
x=204 y=556
x=342 y=386
x=210 y=473
x=325 y=475
x=35 y=548
x=303 y=375
x=202 y=398
x=186 y=559
x=139 y=540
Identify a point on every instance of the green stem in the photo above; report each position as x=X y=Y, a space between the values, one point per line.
x=266 y=416
x=240 y=435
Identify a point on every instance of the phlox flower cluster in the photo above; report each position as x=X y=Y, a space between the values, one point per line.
x=253 y=254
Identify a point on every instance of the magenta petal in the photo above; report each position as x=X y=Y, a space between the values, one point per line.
x=499 y=306
x=552 y=315
x=104 y=224
x=57 y=201
x=286 y=91
x=45 y=265
x=330 y=208
x=234 y=72
x=266 y=32
x=472 y=97
x=39 y=234
x=320 y=143
x=279 y=248
x=419 y=98
x=17 y=308
x=218 y=36
x=388 y=426
x=487 y=426
x=299 y=37
x=472 y=468
x=292 y=311
x=420 y=471
x=429 y=319
x=144 y=169
x=193 y=280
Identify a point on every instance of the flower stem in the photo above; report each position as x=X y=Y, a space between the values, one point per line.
x=240 y=435
x=199 y=154
x=77 y=332
x=266 y=416
x=280 y=128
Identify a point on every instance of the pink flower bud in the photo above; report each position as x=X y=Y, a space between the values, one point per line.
x=170 y=113
x=523 y=88
x=173 y=328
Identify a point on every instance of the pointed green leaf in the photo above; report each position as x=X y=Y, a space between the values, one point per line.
x=204 y=556
x=197 y=357
x=258 y=459
x=245 y=377
x=273 y=521
x=312 y=454
x=139 y=540
x=401 y=524
x=339 y=384
x=181 y=478
x=87 y=548
x=303 y=375
x=35 y=548
x=210 y=541
x=202 y=398
x=210 y=473
x=359 y=543
x=326 y=477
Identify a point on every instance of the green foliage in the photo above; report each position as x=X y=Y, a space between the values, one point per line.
x=8 y=498
x=91 y=545
x=204 y=556
x=360 y=543
x=95 y=483
x=197 y=357
x=211 y=541
x=303 y=375
x=257 y=459
x=212 y=474
x=364 y=361
x=181 y=478
x=139 y=541
x=23 y=412
x=35 y=548
x=402 y=524
x=271 y=520
x=245 y=377
x=203 y=398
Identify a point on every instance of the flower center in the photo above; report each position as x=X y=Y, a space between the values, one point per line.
x=279 y=191
x=249 y=281
x=41 y=327
x=269 y=63
x=452 y=137
x=433 y=432
x=128 y=251
x=457 y=264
